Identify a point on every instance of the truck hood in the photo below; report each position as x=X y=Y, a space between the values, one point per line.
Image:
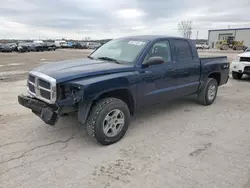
x=73 y=69
x=245 y=54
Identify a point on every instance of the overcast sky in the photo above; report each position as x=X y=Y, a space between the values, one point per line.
x=114 y=18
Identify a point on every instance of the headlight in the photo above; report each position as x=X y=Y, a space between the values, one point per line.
x=72 y=91
x=237 y=59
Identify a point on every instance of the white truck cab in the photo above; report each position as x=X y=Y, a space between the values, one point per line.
x=241 y=64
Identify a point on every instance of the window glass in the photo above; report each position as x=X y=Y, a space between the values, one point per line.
x=124 y=50
x=162 y=49
x=183 y=50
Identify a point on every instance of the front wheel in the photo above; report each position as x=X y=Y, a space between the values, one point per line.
x=209 y=92
x=108 y=121
x=237 y=75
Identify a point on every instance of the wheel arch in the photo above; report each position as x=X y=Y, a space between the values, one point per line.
x=216 y=76
x=123 y=94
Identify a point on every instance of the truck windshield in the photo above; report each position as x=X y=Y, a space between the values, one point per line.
x=248 y=49
x=121 y=50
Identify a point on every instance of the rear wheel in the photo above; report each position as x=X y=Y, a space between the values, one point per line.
x=209 y=92
x=108 y=121
x=237 y=75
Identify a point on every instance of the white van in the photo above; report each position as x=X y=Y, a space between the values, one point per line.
x=60 y=43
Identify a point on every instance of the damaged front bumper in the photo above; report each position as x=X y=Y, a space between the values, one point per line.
x=46 y=112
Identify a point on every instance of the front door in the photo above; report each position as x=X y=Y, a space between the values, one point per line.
x=156 y=82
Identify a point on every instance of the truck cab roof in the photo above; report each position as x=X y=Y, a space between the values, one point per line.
x=152 y=37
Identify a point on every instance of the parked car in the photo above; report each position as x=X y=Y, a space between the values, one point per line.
x=31 y=47
x=80 y=45
x=24 y=47
x=93 y=45
x=39 y=47
x=241 y=64
x=64 y=45
x=118 y=78
x=38 y=42
x=77 y=45
x=13 y=47
x=49 y=46
x=84 y=45
x=244 y=48
x=202 y=46
x=60 y=43
x=6 y=47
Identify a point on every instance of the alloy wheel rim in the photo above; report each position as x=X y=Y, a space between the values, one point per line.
x=211 y=92
x=113 y=123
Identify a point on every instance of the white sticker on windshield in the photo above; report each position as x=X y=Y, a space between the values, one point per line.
x=136 y=43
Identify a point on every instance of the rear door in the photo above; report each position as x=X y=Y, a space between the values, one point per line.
x=188 y=67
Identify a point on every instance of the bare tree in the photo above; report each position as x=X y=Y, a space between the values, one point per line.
x=185 y=28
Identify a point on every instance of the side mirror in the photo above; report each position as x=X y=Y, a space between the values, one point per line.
x=153 y=61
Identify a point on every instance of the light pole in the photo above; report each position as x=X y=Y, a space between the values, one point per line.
x=197 y=35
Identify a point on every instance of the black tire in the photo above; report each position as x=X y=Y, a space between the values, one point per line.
x=97 y=115
x=237 y=75
x=203 y=95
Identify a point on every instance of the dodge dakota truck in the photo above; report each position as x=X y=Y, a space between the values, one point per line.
x=121 y=76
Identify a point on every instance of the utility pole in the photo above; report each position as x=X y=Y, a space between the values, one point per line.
x=197 y=35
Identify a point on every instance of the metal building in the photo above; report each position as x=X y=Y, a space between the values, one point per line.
x=240 y=34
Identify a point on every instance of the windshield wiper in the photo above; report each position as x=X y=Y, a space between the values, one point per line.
x=109 y=59
x=90 y=57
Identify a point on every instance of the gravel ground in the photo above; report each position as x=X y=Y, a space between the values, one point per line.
x=15 y=66
x=178 y=144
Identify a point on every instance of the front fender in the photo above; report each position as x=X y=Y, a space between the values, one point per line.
x=94 y=87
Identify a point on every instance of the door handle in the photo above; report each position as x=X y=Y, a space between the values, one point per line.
x=171 y=70
x=144 y=72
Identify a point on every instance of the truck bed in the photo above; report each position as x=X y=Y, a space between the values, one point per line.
x=215 y=65
x=211 y=59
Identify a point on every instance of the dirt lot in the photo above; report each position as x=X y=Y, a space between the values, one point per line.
x=180 y=144
x=15 y=66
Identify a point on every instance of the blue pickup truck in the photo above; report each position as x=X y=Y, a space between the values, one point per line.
x=121 y=76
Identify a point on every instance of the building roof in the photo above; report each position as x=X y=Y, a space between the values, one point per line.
x=229 y=29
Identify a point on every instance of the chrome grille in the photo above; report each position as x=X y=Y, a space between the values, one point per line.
x=45 y=94
x=32 y=87
x=32 y=78
x=44 y=84
x=42 y=87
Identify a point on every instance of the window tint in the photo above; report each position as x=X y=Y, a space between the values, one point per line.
x=162 y=49
x=183 y=50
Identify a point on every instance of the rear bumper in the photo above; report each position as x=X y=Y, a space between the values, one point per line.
x=41 y=109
